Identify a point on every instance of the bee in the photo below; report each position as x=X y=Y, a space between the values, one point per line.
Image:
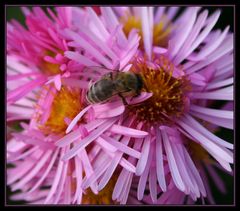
x=118 y=83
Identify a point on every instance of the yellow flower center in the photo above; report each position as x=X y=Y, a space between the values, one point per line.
x=160 y=34
x=66 y=104
x=169 y=94
x=103 y=197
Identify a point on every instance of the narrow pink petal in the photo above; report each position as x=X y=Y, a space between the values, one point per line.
x=183 y=170
x=78 y=193
x=56 y=180
x=227 y=123
x=87 y=140
x=212 y=95
x=77 y=118
x=68 y=139
x=17 y=76
x=105 y=144
x=89 y=48
x=126 y=192
x=98 y=22
x=128 y=131
x=219 y=84
x=121 y=147
x=159 y=160
x=62 y=181
x=213 y=112
x=49 y=167
x=208 y=134
x=209 y=25
x=97 y=173
x=209 y=48
x=27 y=111
x=34 y=171
x=159 y=50
x=21 y=170
x=109 y=109
x=87 y=168
x=184 y=51
x=207 y=144
x=106 y=49
x=109 y=172
x=18 y=93
x=172 y=163
x=142 y=162
x=94 y=124
x=80 y=58
x=142 y=97
x=146 y=29
x=158 y=14
x=153 y=184
x=119 y=185
x=224 y=49
x=57 y=82
x=33 y=141
x=143 y=178
x=186 y=27
x=16 y=156
x=127 y=165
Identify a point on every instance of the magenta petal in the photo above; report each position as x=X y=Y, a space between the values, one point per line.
x=77 y=118
x=141 y=165
x=85 y=141
x=109 y=109
x=128 y=131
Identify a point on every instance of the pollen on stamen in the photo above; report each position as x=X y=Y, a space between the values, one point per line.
x=168 y=100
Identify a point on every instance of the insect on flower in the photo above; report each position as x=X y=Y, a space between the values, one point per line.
x=115 y=83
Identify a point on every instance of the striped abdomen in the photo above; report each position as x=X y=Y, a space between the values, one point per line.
x=101 y=91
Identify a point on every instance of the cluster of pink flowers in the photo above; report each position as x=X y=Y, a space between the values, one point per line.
x=157 y=149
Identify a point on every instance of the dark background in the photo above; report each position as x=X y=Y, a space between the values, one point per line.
x=226 y=18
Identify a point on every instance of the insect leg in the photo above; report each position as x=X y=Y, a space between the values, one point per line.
x=123 y=99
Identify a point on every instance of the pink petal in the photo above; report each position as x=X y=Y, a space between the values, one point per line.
x=77 y=118
x=142 y=162
x=87 y=140
x=159 y=161
x=109 y=109
x=128 y=131
x=49 y=167
x=121 y=147
x=172 y=163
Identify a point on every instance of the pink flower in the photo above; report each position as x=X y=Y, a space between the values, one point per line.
x=183 y=77
x=39 y=171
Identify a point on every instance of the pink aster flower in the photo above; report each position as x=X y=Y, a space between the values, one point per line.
x=186 y=65
x=35 y=54
x=39 y=171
